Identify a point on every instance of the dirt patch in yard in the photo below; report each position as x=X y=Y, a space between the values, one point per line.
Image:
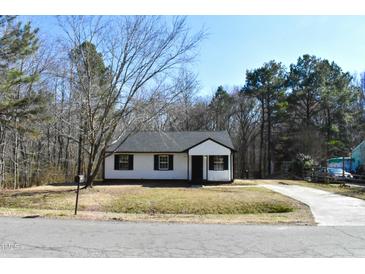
x=299 y=217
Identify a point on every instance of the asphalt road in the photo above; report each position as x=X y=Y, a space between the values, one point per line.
x=71 y=238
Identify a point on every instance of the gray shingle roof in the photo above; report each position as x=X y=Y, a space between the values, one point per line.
x=169 y=141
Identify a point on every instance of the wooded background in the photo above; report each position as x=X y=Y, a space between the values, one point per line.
x=62 y=102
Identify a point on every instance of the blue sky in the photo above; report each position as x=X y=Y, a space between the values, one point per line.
x=238 y=43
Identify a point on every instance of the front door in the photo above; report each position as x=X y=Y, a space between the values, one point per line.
x=197 y=168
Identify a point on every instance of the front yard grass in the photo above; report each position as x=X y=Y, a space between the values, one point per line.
x=351 y=191
x=201 y=205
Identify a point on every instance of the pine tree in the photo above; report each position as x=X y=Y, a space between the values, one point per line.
x=20 y=104
x=268 y=85
x=17 y=42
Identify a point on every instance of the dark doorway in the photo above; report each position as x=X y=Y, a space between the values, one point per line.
x=197 y=168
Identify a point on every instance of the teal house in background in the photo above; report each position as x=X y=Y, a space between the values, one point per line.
x=339 y=162
x=353 y=164
x=358 y=156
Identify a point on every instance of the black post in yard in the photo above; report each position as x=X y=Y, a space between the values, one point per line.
x=343 y=166
x=77 y=178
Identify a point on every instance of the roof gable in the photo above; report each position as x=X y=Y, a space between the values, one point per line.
x=359 y=146
x=209 y=139
x=209 y=147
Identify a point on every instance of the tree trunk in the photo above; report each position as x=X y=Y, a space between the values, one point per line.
x=15 y=179
x=268 y=139
x=261 y=138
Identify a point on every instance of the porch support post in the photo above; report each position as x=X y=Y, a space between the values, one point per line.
x=188 y=177
x=206 y=166
x=232 y=166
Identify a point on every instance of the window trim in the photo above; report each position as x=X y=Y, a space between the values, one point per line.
x=127 y=161
x=214 y=162
x=167 y=162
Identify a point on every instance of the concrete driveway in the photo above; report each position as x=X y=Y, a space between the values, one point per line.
x=328 y=209
x=76 y=238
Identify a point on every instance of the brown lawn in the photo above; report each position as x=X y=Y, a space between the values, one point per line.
x=202 y=205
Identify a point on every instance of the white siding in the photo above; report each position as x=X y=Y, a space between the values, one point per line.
x=143 y=168
x=143 y=165
x=222 y=175
x=207 y=148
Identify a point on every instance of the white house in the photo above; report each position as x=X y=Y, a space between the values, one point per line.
x=191 y=156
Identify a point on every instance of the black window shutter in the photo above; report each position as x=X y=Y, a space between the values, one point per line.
x=116 y=162
x=130 y=162
x=156 y=162
x=211 y=162
x=225 y=162
x=171 y=162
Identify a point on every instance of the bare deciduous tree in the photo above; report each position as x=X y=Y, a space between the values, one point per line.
x=118 y=66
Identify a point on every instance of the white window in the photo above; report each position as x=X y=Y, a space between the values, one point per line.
x=163 y=162
x=218 y=163
x=124 y=162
